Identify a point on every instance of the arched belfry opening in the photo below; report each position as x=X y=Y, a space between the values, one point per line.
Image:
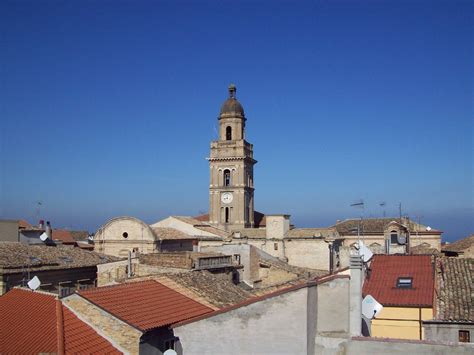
x=226 y=177
x=228 y=133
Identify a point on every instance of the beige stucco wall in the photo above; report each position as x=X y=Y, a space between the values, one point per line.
x=309 y=253
x=109 y=238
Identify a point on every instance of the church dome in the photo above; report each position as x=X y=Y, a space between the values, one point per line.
x=231 y=106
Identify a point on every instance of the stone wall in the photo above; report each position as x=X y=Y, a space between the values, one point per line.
x=308 y=253
x=9 y=231
x=448 y=332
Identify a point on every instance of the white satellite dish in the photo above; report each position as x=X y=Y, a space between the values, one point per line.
x=365 y=252
x=370 y=307
x=170 y=352
x=428 y=228
x=34 y=283
x=43 y=237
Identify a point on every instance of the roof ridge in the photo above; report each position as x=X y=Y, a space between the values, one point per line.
x=60 y=328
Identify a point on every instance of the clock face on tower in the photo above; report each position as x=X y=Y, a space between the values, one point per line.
x=227 y=197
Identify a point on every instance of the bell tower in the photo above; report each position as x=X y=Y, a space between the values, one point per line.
x=231 y=189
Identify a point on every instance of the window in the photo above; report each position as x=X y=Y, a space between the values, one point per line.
x=237 y=258
x=405 y=282
x=228 y=133
x=125 y=234
x=464 y=336
x=275 y=246
x=393 y=237
x=226 y=177
x=227 y=217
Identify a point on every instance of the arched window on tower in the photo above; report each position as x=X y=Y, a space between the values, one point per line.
x=226 y=177
x=228 y=133
x=227 y=215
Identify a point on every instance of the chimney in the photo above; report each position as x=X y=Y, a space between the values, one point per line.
x=331 y=257
x=49 y=231
x=355 y=299
x=41 y=224
x=277 y=226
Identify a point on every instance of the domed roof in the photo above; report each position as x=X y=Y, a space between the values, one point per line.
x=231 y=106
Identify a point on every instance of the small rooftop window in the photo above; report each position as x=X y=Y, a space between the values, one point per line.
x=405 y=282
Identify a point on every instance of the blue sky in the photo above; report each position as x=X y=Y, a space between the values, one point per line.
x=108 y=108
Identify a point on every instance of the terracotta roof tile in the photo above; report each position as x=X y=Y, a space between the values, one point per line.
x=145 y=305
x=79 y=338
x=29 y=326
x=28 y=323
x=455 y=289
x=385 y=271
x=23 y=224
x=63 y=236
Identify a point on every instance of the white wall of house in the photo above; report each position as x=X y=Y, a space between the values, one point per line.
x=277 y=325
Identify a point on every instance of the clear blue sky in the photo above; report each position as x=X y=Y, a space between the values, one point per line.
x=108 y=108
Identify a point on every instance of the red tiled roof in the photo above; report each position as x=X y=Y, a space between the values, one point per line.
x=23 y=224
x=385 y=271
x=64 y=236
x=145 y=305
x=28 y=323
x=29 y=326
x=79 y=338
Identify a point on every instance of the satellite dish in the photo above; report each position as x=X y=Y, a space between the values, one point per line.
x=43 y=237
x=370 y=307
x=365 y=252
x=428 y=228
x=34 y=283
x=170 y=352
x=402 y=239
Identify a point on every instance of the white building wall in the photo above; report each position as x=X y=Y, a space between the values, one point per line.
x=277 y=325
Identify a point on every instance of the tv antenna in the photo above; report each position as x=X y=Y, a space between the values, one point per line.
x=383 y=204
x=360 y=205
x=38 y=209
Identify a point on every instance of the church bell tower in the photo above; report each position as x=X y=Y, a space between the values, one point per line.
x=231 y=162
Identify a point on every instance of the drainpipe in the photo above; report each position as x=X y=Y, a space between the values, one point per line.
x=129 y=264
x=355 y=300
